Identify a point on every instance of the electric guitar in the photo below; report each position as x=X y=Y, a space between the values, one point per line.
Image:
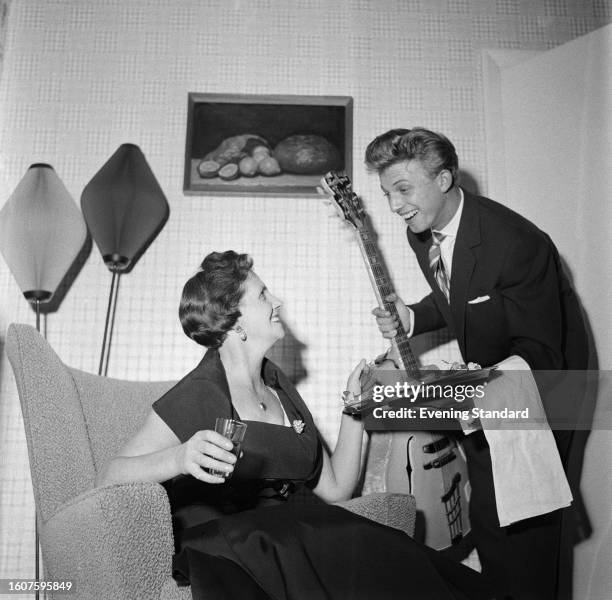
x=430 y=466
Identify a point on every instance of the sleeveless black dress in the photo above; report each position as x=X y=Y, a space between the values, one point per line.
x=248 y=539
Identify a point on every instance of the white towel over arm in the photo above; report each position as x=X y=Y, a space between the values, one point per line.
x=527 y=472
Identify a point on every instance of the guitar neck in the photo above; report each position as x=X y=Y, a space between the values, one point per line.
x=382 y=288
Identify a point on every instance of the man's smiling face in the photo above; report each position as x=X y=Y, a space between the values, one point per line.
x=416 y=197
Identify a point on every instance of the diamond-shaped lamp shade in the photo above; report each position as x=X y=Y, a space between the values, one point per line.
x=41 y=232
x=124 y=207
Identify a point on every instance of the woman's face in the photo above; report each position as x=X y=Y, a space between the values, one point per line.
x=259 y=312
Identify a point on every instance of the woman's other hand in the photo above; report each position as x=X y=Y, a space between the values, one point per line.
x=341 y=470
x=353 y=383
x=205 y=450
x=390 y=359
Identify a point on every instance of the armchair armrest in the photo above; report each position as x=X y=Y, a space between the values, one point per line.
x=112 y=542
x=394 y=510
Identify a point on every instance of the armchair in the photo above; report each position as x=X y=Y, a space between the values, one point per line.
x=114 y=542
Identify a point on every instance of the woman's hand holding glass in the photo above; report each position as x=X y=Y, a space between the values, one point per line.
x=206 y=450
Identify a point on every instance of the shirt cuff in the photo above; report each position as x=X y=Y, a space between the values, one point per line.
x=411 y=326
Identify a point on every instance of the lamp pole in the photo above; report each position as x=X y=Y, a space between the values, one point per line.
x=116 y=265
x=36 y=297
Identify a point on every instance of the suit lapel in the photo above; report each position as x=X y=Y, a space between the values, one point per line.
x=464 y=261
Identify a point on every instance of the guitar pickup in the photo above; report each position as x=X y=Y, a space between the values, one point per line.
x=436 y=446
x=440 y=462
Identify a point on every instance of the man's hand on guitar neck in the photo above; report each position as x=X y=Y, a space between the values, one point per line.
x=388 y=324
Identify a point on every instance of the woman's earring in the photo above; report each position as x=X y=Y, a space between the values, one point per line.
x=241 y=332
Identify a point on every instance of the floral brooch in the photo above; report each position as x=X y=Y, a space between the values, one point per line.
x=298 y=425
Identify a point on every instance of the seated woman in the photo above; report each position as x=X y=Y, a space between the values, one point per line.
x=240 y=538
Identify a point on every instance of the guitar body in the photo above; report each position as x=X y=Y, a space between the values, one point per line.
x=430 y=466
x=413 y=468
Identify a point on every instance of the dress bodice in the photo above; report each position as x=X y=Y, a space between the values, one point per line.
x=276 y=459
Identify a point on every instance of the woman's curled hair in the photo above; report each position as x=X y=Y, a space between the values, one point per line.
x=209 y=304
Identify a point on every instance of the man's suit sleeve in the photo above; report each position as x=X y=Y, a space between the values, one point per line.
x=530 y=290
x=427 y=317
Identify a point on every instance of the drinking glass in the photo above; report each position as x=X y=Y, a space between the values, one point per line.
x=234 y=431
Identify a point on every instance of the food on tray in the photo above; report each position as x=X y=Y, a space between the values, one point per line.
x=269 y=166
x=235 y=148
x=250 y=155
x=255 y=144
x=208 y=169
x=239 y=155
x=229 y=171
x=260 y=152
x=307 y=154
x=248 y=166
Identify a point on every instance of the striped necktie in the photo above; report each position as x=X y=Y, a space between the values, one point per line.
x=436 y=264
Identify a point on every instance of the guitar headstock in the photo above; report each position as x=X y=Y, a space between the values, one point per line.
x=339 y=189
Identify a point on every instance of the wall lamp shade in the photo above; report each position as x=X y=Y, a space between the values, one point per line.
x=41 y=232
x=124 y=207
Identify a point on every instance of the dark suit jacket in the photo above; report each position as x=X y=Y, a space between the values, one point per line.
x=531 y=310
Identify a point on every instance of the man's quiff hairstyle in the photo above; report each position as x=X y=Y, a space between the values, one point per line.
x=433 y=150
x=210 y=299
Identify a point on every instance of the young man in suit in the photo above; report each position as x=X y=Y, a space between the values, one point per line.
x=497 y=284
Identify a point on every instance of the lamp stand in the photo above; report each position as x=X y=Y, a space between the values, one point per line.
x=110 y=322
x=36 y=297
x=36 y=534
x=37 y=542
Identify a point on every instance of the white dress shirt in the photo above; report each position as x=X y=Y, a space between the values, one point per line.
x=447 y=247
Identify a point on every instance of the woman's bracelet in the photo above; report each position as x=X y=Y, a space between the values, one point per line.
x=349 y=399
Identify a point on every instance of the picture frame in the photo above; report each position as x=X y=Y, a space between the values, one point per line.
x=305 y=136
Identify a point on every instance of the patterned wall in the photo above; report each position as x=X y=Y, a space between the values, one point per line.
x=4 y=9
x=81 y=77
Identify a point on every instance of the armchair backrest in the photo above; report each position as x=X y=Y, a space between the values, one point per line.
x=74 y=421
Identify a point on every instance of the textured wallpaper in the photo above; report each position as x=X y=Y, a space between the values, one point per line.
x=79 y=78
x=4 y=8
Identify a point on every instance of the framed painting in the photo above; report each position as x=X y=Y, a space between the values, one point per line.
x=265 y=144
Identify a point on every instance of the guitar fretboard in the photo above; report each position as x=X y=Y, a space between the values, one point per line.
x=381 y=281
